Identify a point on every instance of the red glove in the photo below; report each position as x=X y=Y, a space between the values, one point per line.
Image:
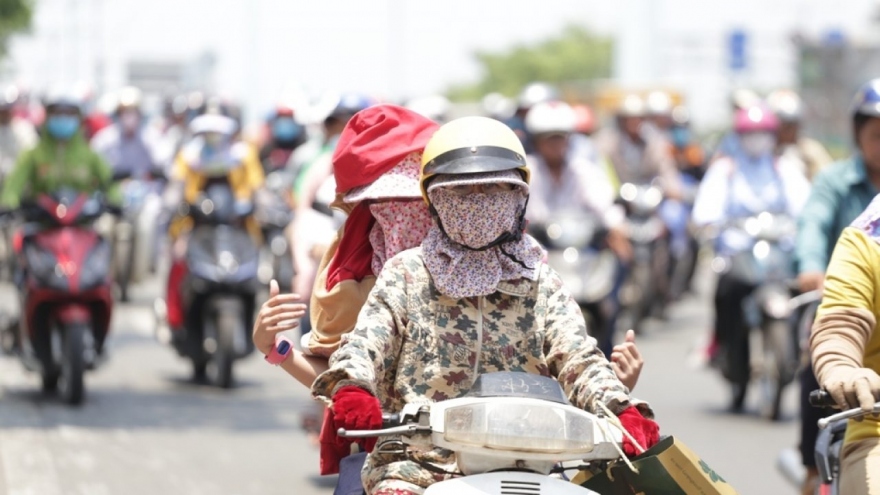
x=645 y=431
x=356 y=409
x=331 y=452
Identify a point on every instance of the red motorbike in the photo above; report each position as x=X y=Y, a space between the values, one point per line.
x=65 y=289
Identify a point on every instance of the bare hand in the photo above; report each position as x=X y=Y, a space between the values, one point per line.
x=281 y=312
x=810 y=281
x=627 y=361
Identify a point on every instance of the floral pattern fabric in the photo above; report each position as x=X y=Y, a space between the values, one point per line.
x=413 y=343
x=400 y=225
x=869 y=220
x=476 y=220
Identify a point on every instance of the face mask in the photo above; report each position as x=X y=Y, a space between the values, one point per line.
x=680 y=137
x=758 y=144
x=62 y=126
x=476 y=220
x=400 y=225
x=286 y=130
x=129 y=121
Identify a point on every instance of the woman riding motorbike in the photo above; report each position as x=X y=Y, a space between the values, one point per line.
x=476 y=295
x=840 y=193
x=750 y=182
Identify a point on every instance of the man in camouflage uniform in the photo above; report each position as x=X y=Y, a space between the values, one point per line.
x=476 y=297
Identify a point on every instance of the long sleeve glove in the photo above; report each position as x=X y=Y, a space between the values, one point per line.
x=643 y=430
x=838 y=342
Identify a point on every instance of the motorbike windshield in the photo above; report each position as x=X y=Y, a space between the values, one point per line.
x=518 y=384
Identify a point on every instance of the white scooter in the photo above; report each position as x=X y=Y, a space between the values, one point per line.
x=510 y=435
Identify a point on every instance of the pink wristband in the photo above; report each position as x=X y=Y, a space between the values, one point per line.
x=282 y=348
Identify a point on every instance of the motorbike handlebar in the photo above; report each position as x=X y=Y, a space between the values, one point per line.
x=821 y=398
x=406 y=430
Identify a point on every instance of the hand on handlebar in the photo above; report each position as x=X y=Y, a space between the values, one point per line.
x=853 y=387
x=356 y=409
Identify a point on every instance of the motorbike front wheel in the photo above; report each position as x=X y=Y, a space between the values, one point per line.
x=777 y=370
x=219 y=366
x=71 y=386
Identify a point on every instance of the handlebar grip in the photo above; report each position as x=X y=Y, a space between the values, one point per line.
x=390 y=420
x=821 y=398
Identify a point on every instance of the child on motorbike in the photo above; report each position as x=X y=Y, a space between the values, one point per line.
x=476 y=296
x=845 y=341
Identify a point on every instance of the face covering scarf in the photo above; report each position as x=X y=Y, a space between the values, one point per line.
x=475 y=220
x=400 y=225
x=758 y=144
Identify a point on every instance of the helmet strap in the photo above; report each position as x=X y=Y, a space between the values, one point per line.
x=499 y=241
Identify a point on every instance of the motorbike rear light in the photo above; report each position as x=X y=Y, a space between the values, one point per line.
x=520 y=425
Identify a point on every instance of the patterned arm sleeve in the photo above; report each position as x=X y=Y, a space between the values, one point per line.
x=372 y=347
x=574 y=357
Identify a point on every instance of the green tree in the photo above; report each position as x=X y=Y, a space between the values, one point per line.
x=575 y=54
x=15 y=16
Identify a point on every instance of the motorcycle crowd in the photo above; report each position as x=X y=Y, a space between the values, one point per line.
x=95 y=203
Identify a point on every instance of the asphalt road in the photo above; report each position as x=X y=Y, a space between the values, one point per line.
x=146 y=429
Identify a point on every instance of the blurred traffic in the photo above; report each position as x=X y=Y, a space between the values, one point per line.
x=143 y=229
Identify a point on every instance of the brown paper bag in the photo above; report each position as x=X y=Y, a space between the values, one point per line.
x=668 y=468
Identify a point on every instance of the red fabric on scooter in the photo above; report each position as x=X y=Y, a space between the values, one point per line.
x=354 y=256
x=645 y=431
x=173 y=296
x=331 y=451
x=356 y=409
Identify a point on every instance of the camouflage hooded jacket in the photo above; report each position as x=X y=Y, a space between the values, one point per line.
x=412 y=343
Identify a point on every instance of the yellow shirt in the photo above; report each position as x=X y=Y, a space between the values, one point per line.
x=244 y=180
x=852 y=281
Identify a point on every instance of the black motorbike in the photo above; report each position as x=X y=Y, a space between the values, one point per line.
x=576 y=249
x=644 y=291
x=274 y=214
x=766 y=267
x=219 y=292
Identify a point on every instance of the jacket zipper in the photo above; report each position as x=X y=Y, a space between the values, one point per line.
x=479 y=336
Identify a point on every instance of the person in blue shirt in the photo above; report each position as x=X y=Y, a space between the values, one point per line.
x=840 y=193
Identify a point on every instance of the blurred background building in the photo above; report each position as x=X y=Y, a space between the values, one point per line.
x=258 y=49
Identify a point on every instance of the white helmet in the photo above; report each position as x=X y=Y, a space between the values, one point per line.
x=536 y=92
x=786 y=104
x=632 y=106
x=551 y=117
x=206 y=123
x=659 y=103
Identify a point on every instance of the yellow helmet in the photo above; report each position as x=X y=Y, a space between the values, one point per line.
x=470 y=145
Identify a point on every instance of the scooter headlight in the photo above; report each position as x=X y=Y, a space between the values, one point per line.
x=520 y=425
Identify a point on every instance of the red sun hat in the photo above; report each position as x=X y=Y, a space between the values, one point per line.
x=374 y=141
